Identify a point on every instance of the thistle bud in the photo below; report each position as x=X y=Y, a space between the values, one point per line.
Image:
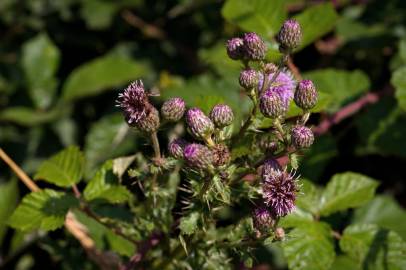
x=302 y=137
x=306 y=95
x=267 y=145
x=271 y=104
x=248 y=78
x=270 y=68
x=199 y=124
x=150 y=122
x=221 y=115
x=198 y=156
x=221 y=155
x=290 y=35
x=254 y=47
x=173 y=109
x=235 y=48
x=262 y=220
x=176 y=148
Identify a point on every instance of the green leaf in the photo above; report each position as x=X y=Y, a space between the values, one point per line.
x=40 y=61
x=347 y=190
x=28 y=117
x=8 y=201
x=399 y=81
x=101 y=74
x=262 y=16
x=107 y=138
x=309 y=198
x=63 y=169
x=98 y=14
x=385 y=212
x=316 y=22
x=340 y=85
x=374 y=248
x=188 y=224
x=344 y=262
x=309 y=247
x=104 y=237
x=104 y=185
x=45 y=209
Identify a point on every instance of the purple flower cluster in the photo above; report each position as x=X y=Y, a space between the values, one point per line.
x=198 y=156
x=250 y=47
x=200 y=126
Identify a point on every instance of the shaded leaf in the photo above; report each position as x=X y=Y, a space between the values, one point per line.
x=40 y=61
x=399 y=81
x=188 y=224
x=45 y=209
x=262 y=16
x=309 y=247
x=101 y=74
x=347 y=190
x=63 y=169
x=374 y=248
x=8 y=201
x=28 y=117
x=316 y=22
x=104 y=185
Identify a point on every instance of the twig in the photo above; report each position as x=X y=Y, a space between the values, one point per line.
x=77 y=229
x=350 y=109
x=148 y=30
x=294 y=69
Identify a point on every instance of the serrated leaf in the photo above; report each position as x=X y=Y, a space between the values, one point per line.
x=399 y=81
x=8 y=201
x=63 y=169
x=385 y=212
x=374 y=248
x=340 y=85
x=316 y=21
x=309 y=247
x=40 y=61
x=347 y=190
x=101 y=74
x=310 y=196
x=104 y=185
x=188 y=224
x=261 y=16
x=344 y=262
x=45 y=209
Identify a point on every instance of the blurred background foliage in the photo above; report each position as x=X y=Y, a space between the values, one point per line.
x=62 y=63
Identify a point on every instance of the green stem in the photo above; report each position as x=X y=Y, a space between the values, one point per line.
x=155 y=144
x=250 y=118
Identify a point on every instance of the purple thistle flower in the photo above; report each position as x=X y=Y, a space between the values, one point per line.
x=134 y=102
x=272 y=104
x=198 y=156
x=279 y=190
x=269 y=166
x=222 y=115
x=254 y=47
x=176 y=148
x=248 y=78
x=262 y=220
x=235 y=48
x=173 y=109
x=199 y=124
x=290 y=35
x=306 y=95
x=285 y=83
x=302 y=137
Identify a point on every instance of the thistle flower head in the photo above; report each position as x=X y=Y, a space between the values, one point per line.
x=302 y=137
x=290 y=35
x=221 y=155
x=173 y=109
x=134 y=102
x=150 y=122
x=279 y=189
x=262 y=219
x=176 y=148
x=198 y=156
x=306 y=95
x=248 y=78
x=254 y=47
x=199 y=124
x=270 y=165
x=272 y=104
x=235 y=48
x=222 y=115
x=284 y=81
x=267 y=144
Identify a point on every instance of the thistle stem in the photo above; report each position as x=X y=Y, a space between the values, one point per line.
x=155 y=144
x=250 y=118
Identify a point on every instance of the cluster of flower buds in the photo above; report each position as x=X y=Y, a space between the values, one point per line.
x=251 y=47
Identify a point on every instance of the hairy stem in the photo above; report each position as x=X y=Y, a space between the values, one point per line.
x=155 y=144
